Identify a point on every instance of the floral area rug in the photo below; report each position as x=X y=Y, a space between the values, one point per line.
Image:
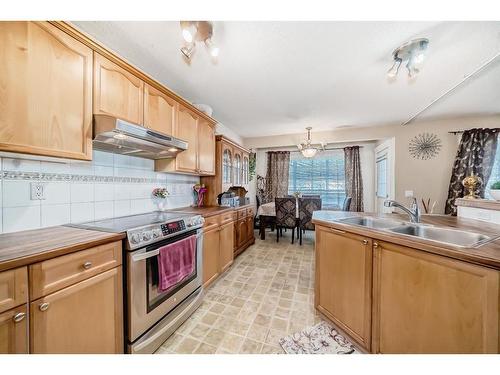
x=320 y=339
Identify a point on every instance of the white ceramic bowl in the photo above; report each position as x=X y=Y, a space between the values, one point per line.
x=495 y=194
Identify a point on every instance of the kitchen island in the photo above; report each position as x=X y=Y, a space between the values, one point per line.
x=398 y=293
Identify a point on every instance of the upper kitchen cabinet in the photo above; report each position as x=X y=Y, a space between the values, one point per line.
x=117 y=92
x=206 y=148
x=199 y=158
x=46 y=91
x=160 y=110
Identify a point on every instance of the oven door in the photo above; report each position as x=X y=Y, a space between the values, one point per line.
x=146 y=304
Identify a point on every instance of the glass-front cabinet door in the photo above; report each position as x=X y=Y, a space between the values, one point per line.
x=227 y=164
x=245 y=170
x=237 y=169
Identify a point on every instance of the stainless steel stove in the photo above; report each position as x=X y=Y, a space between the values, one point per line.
x=153 y=315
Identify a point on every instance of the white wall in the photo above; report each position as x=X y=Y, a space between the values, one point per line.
x=228 y=133
x=109 y=186
x=367 y=157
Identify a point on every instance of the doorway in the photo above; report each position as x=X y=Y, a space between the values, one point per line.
x=384 y=174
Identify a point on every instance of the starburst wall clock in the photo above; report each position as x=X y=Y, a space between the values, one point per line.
x=425 y=146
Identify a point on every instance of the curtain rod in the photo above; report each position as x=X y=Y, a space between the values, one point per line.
x=465 y=78
x=456 y=132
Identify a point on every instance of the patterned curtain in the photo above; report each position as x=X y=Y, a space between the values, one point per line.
x=353 y=179
x=278 y=164
x=475 y=155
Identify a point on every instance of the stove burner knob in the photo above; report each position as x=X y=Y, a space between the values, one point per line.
x=156 y=233
x=146 y=236
x=135 y=238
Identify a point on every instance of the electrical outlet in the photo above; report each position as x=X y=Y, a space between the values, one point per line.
x=408 y=193
x=37 y=191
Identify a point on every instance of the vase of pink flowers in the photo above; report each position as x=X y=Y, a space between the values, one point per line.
x=160 y=198
x=199 y=191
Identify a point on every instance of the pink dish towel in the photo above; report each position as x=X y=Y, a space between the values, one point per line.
x=176 y=261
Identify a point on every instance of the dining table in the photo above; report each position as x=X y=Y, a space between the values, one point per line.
x=267 y=216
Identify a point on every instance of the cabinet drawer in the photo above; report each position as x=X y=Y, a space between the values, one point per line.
x=241 y=213
x=54 y=274
x=211 y=222
x=226 y=217
x=250 y=212
x=13 y=288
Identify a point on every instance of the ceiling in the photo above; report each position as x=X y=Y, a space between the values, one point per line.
x=279 y=77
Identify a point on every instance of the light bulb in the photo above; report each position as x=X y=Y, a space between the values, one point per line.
x=188 y=31
x=393 y=72
x=186 y=34
x=212 y=48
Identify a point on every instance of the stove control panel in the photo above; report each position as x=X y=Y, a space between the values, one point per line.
x=173 y=227
x=157 y=232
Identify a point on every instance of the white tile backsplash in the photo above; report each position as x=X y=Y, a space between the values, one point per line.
x=103 y=210
x=20 y=218
x=55 y=214
x=75 y=197
x=81 y=212
x=17 y=193
x=56 y=193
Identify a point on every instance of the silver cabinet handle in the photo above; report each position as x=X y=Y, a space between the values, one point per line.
x=87 y=265
x=375 y=245
x=365 y=242
x=18 y=317
x=43 y=306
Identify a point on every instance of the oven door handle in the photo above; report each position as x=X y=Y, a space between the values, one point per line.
x=149 y=254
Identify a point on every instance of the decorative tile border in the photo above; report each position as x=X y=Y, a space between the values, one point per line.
x=64 y=177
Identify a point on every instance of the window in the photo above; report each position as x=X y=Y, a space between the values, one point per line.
x=323 y=175
x=495 y=172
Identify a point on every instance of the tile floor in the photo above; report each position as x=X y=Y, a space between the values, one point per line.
x=266 y=294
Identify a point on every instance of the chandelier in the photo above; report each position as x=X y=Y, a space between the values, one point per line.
x=197 y=31
x=306 y=147
x=413 y=52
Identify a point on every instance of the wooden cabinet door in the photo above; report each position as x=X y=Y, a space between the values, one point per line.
x=226 y=246
x=237 y=168
x=227 y=166
x=46 y=91
x=250 y=230
x=187 y=130
x=242 y=231
x=206 y=148
x=13 y=288
x=14 y=331
x=344 y=281
x=86 y=317
x=211 y=244
x=425 y=303
x=160 y=110
x=116 y=91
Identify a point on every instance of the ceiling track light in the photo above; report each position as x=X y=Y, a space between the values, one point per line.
x=197 y=31
x=413 y=52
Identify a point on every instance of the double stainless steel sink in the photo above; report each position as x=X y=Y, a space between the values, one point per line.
x=447 y=236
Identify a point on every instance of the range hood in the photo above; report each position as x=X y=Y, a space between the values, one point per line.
x=115 y=135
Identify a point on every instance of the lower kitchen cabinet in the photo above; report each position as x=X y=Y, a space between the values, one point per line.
x=344 y=281
x=226 y=246
x=427 y=303
x=83 y=318
x=211 y=246
x=14 y=331
x=217 y=249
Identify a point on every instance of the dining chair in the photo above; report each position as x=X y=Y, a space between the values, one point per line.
x=286 y=216
x=347 y=204
x=306 y=208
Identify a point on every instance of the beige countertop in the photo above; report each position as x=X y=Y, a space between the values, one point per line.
x=207 y=211
x=487 y=254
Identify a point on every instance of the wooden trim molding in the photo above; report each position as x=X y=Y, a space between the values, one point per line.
x=231 y=142
x=487 y=204
x=86 y=39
